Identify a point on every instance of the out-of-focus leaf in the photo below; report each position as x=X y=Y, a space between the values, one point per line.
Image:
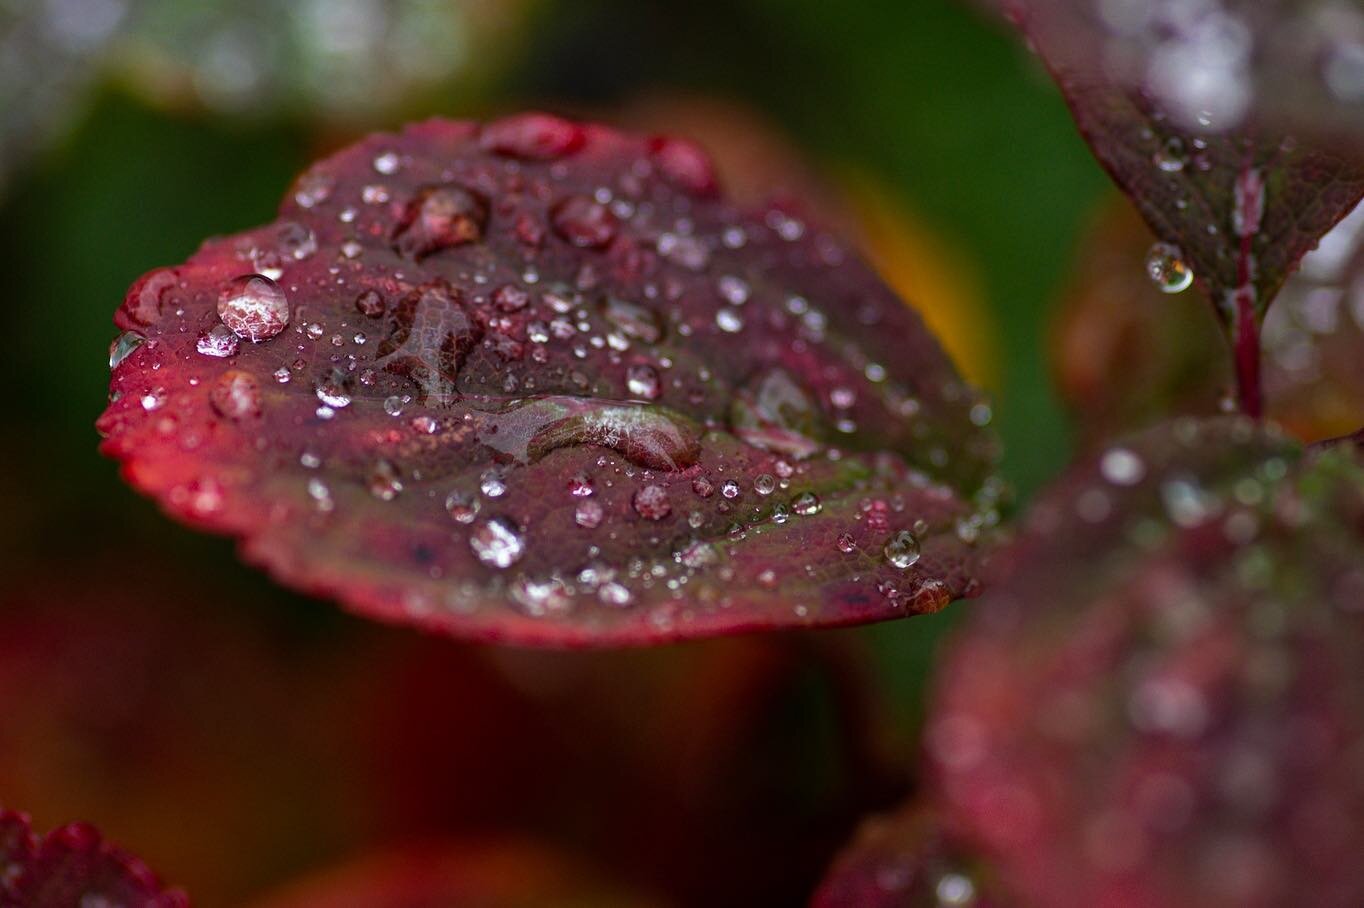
x=1126 y=355
x=1161 y=704
x=338 y=62
x=1236 y=203
x=505 y=874
x=902 y=861
x=73 y=866
x=539 y=383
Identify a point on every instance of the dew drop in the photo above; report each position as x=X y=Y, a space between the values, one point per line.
x=383 y=481
x=643 y=382
x=1122 y=467
x=846 y=544
x=807 y=504
x=254 y=307
x=765 y=484
x=730 y=489
x=218 y=341
x=1167 y=269
x=235 y=395
x=497 y=543
x=651 y=502
x=332 y=391
x=462 y=506
x=902 y=550
x=370 y=303
x=492 y=485
x=584 y=222
x=729 y=320
x=588 y=514
x=123 y=347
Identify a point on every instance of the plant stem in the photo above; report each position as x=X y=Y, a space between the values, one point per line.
x=1246 y=349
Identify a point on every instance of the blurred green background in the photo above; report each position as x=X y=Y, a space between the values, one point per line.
x=941 y=111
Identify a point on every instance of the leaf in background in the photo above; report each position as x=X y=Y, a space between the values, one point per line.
x=72 y=865
x=1125 y=354
x=500 y=874
x=904 y=860
x=1162 y=702
x=538 y=382
x=1237 y=202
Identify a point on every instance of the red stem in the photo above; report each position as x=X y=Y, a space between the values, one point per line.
x=1246 y=348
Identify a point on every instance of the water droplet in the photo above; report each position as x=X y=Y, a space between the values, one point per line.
x=733 y=289
x=1171 y=157
x=643 y=382
x=588 y=514
x=765 y=484
x=219 y=341
x=651 y=502
x=703 y=487
x=729 y=320
x=383 y=481
x=254 y=307
x=633 y=321
x=902 y=550
x=440 y=217
x=387 y=163
x=313 y=188
x=332 y=391
x=648 y=435
x=1167 y=270
x=807 y=504
x=497 y=542
x=370 y=303
x=235 y=395
x=730 y=489
x=393 y=405
x=846 y=544
x=123 y=347
x=1122 y=467
x=492 y=485
x=462 y=506
x=584 y=222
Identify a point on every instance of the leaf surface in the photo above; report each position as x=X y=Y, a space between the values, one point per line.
x=539 y=382
x=73 y=865
x=1161 y=703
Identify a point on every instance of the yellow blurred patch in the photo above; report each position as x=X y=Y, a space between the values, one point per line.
x=937 y=280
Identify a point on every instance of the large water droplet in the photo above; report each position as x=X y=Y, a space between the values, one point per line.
x=902 y=550
x=497 y=542
x=254 y=307
x=123 y=347
x=1167 y=269
x=774 y=413
x=440 y=217
x=650 y=436
x=218 y=341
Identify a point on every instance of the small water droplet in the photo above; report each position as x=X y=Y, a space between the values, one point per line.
x=492 y=485
x=846 y=544
x=643 y=382
x=383 y=481
x=902 y=550
x=730 y=489
x=236 y=395
x=588 y=514
x=497 y=542
x=1171 y=157
x=1122 y=467
x=387 y=163
x=807 y=504
x=584 y=222
x=370 y=303
x=1167 y=269
x=651 y=502
x=332 y=391
x=218 y=341
x=462 y=506
x=765 y=484
x=729 y=320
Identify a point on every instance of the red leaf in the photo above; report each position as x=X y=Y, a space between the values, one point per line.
x=1236 y=201
x=1126 y=354
x=902 y=861
x=1162 y=704
x=73 y=865
x=506 y=874
x=572 y=401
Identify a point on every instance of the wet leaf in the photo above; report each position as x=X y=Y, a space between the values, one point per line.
x=1126 y=355
x=72 y=865
x=565 y=400
x=1161 y=703
x=904 y=860
x=1236 y=202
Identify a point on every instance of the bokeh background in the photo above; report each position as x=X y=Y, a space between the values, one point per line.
x=239 y=736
